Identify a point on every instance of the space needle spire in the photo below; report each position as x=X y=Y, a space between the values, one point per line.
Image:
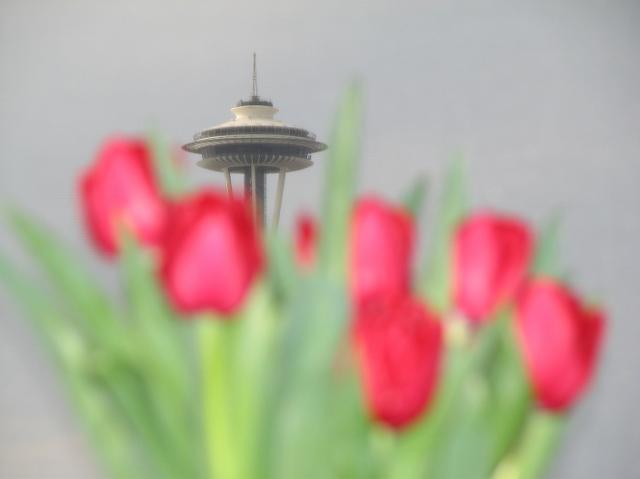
x=254 y=91
x=255 y=144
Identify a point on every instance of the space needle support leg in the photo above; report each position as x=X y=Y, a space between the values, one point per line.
x=227 y=176
x=278 y=205
x=254 y=196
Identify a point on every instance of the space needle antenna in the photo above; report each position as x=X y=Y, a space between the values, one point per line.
x=255 y=78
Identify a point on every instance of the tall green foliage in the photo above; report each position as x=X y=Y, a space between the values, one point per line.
x=273 y=392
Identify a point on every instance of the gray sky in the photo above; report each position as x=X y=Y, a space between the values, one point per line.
x=541 y=97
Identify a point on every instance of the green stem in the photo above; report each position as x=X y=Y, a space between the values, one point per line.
x=539 y=443
x=252 y=355
x=216 y=348
x=413 y=456
x=512 y=403
x=108 y=436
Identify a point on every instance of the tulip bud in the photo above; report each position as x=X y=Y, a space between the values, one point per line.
x=119 y=188
x=305 y=241
x=381 y=248
x=560 y=340
x=491 y=257
x=211 y=255
x=399 y=345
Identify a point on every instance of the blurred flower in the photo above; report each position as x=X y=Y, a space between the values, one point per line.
x=119 y=188
x=212 y=253
x=305 y=240
x=381 y=249
x=560 y=340
x=491 y=257
x=399 y=344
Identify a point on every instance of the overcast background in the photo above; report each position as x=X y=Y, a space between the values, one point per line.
x=542 y=97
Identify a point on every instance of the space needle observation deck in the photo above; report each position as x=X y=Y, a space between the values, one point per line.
x=255 y=144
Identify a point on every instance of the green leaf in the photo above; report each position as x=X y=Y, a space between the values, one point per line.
x=316 y=319
x=314 y=331
x=115 y=343
x=340 y=179
x=283 y=274
x=109 y=435
x=464 y=447
x=167 y=169
x=153 y=319
x=415 y=197
x=546 y=259
x=539 y=443
x=350 y=430
x=134 y=403
x=76 y=288
x=511 y=395
x=162 y=360
x=33 y=301
x=436 y=282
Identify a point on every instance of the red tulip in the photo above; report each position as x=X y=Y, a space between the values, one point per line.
x=305 y=240
x=560 y=339
x=399 y=344
x=119 y=188
x=381 y=249
x=212 y=253
x=491 y=257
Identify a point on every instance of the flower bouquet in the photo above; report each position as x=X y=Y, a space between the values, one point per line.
x=237 y=353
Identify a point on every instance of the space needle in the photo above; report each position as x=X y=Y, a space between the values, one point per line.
x=255 y=144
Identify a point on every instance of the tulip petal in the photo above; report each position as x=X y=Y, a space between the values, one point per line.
x=560 y=340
